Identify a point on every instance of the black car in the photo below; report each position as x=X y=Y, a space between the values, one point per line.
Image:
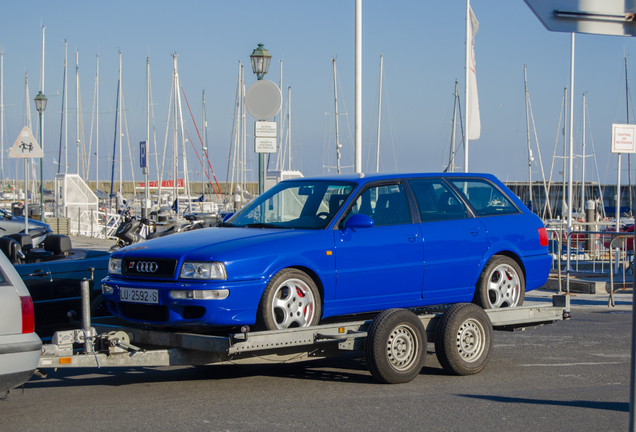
x=53 y=276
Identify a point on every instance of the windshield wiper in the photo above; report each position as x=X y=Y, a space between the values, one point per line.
x=226 y=224
x=262 y=225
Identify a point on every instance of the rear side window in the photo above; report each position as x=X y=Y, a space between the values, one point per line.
x=485 y=198
x=436 y=201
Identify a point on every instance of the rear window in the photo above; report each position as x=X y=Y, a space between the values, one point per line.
x=485 y=198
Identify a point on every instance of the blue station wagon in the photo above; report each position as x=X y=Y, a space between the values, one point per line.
x=313 y=248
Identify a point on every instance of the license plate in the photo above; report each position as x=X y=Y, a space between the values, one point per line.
x=138 y=295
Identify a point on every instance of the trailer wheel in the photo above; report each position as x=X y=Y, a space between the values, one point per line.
x=501 y=284
x=291 y=299
x=464 y=339
x=395 y=347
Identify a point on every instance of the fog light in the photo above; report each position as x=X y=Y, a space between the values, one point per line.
x=199 y=294
x=107 y=289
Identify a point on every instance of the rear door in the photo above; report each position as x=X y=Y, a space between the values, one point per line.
x=454 y=242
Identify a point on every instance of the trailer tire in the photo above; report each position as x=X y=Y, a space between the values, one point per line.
x=501 y=284
x=395 y=348
x=291 y=299
x=464 y=339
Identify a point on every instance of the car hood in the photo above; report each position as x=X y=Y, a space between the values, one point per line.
x=207 y=242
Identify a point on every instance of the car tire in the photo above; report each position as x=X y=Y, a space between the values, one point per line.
x=395 y=348
x=291 y=299
x=464 y=339
x=99 y=308
x=501 y=284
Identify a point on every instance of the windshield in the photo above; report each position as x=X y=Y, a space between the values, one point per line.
x=295 y=204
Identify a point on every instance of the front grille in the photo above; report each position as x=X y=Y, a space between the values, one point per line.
x=142 y=267
x=144 y=312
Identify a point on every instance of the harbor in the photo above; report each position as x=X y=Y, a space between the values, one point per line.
x=286 y=216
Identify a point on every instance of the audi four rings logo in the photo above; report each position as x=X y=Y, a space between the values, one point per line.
x=146 y=266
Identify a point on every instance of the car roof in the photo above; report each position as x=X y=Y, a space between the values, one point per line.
x=362 y=178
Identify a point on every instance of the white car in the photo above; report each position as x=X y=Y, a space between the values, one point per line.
x=19 y=344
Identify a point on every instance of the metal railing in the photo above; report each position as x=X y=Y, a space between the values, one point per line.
x=606 y=252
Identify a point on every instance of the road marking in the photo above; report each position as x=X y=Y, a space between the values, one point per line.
x=573 y=364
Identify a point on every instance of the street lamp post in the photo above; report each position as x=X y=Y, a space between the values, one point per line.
x=40 y=105
x=260 y=59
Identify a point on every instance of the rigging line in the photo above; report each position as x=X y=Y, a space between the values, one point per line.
x=373 y=124
x=326 y=136
x=90 y=136
x=598 y=178
x=123 y=109
x=234 y=125
x=154 y=131
x=112 y=173
x=205 y=151
x=391 y=128
x=556 y=143
x=82 y=146
x=165 y=142
x=536 y=140
x=61 y=124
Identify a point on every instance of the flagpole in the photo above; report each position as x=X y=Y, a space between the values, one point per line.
x=467 y=102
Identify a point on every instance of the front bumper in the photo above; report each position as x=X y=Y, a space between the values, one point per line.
x=238 y=308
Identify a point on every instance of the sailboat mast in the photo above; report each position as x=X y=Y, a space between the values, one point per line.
x=335 y=99
x=65 y=97
x=377 y=157
x=289 y=128
x=77 y=113
x=629 y=160
x=203 y=147
x=583 y=164
x=565 y=104
x=451 y=157
x=144 y=208
x=97 y=124
x=525 y=80
x=175 y=160
x=119 y=91
x=1 y=117
x=281 y=120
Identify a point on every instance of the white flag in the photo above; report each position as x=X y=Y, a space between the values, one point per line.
x=473 y=123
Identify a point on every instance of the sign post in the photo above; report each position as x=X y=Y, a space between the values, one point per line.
x=26 y=147
x=263 y=101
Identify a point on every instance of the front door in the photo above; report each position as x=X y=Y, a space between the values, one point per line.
x=382 y=264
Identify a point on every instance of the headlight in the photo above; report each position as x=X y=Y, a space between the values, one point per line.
x=114 y=266
x=202 y=270
x=199 y=294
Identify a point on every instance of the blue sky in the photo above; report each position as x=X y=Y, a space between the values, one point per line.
x=423 y=48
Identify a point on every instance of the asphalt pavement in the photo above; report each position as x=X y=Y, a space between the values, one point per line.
x=572 y=375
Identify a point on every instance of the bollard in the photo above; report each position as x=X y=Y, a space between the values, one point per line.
x=590 y=217
x=86 y=311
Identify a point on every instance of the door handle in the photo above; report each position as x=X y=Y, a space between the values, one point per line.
x=39 y=273
x=474 y=232
x=411 y=238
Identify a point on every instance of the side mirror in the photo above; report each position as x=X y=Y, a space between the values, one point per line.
x=359 y=221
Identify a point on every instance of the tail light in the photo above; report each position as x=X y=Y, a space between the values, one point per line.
x=28 y=315
x=543 y=236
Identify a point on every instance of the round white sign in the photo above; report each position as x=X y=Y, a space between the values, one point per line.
x=263 y=100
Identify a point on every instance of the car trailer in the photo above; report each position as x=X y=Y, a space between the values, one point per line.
x=394 y=343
